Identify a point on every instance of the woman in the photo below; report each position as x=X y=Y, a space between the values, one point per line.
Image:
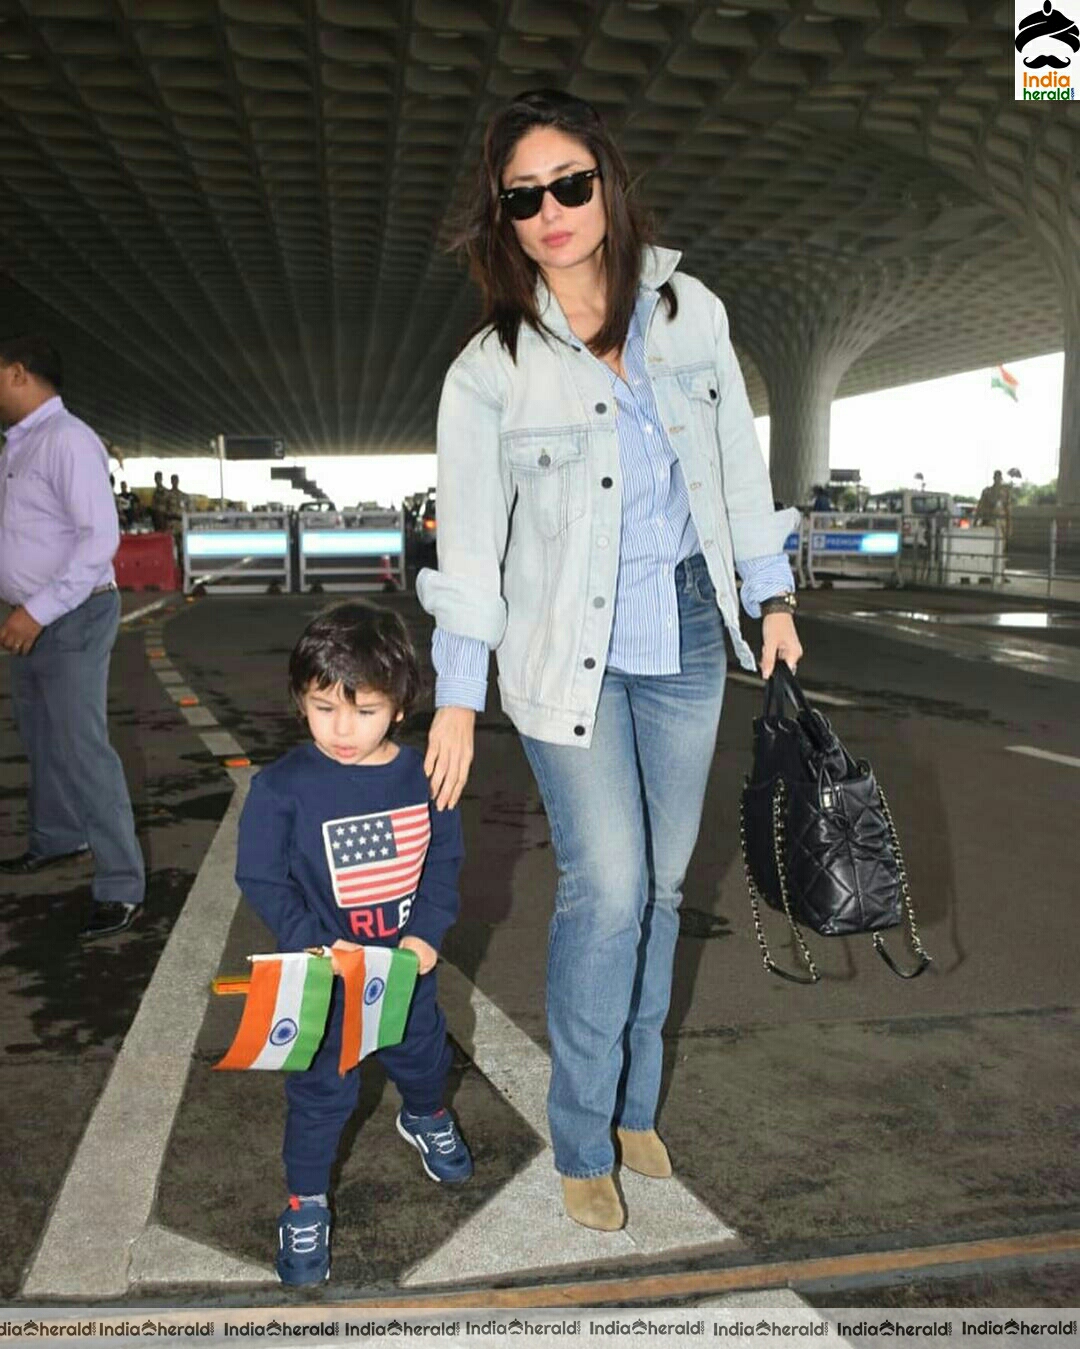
x=599 y=482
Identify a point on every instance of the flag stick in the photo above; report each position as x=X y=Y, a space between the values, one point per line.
x=231 y=983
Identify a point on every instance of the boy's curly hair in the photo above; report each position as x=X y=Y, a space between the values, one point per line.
x=359 y=647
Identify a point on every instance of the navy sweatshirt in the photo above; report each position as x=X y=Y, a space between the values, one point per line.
x=329 y=850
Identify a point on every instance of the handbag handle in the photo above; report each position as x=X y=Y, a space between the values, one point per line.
x=782 y=684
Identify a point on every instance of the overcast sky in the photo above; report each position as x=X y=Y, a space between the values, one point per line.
x=955 y=431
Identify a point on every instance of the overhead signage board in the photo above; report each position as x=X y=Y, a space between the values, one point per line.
x=254 y=447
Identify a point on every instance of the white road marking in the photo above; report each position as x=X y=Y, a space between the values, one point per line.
x=198 y=716
x=163 y=1257
x=815 y=696
x=100 y=1240
x=662 y=1215
x=1067 y=759
x=146 y=609
x=107 y=1197
x=221 y=742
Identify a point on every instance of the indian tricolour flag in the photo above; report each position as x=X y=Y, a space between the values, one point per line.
x=285 y=1013
x=1001 y=379
x=379 y=982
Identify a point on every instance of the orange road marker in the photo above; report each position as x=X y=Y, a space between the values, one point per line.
x=189 y=702
x=237 y=763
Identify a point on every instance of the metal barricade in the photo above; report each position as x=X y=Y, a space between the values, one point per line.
x=351 y=550
x=865 y=548
x=974 y=555
x=238 y=552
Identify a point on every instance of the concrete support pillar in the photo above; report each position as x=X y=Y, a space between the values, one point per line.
x=801 y=391
x=803 y=336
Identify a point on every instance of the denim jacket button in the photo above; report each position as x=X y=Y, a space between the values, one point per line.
x=599 y=602
x=544 y=459
x=605 y=482
x=579 y=730
x=589 y=663
x=601 y=407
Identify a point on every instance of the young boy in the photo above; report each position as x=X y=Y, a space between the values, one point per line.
x=340 y=846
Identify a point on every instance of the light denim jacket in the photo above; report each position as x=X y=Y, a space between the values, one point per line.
x=530 y=504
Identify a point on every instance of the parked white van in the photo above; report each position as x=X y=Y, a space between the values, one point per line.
x=914 y=506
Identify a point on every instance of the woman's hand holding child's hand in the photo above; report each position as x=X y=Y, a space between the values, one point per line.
x=449 y=754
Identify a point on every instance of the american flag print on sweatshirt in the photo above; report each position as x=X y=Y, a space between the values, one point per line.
x=377 y=859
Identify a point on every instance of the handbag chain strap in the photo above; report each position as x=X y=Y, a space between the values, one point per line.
x=781 y=871
x=779 y=793
x=909 y=909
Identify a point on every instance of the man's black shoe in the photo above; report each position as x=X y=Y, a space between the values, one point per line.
x=27 y=863
x=108 y=916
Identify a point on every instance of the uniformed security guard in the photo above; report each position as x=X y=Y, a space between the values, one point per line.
x=176 y=503
x=995 y=504
x=158 y=512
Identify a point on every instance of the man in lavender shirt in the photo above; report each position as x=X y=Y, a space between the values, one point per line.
x=58 y=534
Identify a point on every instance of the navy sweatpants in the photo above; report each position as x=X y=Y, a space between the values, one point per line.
x=320 y=1102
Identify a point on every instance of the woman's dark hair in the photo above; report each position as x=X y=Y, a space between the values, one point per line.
x=359 y=647
x=37 y=355
x=505 y=274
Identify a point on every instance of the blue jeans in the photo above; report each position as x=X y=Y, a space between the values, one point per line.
x=624 y=817
x=78 y=793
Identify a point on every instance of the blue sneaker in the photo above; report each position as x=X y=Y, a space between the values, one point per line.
x=442 y=1149
x=303 y=1242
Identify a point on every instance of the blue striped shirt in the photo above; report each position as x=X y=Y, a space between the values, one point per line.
x=657 y=534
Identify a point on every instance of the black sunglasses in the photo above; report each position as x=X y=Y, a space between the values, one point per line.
x=522 y=203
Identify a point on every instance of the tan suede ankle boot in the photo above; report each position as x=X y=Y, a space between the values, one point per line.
x=593 y=1202
x=644 y=1152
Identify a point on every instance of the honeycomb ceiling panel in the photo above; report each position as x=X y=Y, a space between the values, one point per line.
x=234 y=213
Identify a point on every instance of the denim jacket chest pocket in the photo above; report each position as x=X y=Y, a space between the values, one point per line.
x=701 y=389
x=548 y=471
x=699 y=396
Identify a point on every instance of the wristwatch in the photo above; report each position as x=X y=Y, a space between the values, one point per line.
x=786 y=603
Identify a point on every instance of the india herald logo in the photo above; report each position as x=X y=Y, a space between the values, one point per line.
x=1046 y=41
x=1047 y=27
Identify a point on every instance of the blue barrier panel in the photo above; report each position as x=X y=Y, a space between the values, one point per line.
x=351 y=542
x=352 y=550
x=237 y=552
x=791 y=543
x=877 y=544
x=238 y=543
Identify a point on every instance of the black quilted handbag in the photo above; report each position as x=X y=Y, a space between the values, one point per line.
x=818 y=839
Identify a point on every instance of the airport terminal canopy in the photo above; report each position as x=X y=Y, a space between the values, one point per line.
x=233 y=213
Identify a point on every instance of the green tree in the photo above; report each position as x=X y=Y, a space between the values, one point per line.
x=1034 y=494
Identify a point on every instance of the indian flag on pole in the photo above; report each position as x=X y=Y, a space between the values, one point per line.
x=285 y=1013
x=379 y=982
x=1001 y=379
